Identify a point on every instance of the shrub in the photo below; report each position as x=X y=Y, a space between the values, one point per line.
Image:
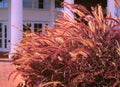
x=80 y=52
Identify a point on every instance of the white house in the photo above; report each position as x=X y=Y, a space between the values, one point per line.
x=35 y=13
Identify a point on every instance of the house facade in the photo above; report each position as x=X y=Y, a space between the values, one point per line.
x=34 y=13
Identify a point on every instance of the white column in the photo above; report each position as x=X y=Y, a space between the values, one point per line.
x=52 y=9
x=111 y=7
x=66 y=9
x=15 y=23
x=69 y=1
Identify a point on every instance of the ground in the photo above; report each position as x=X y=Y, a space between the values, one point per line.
x=6 y=68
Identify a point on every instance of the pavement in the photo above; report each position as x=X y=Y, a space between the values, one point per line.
x=6 y=68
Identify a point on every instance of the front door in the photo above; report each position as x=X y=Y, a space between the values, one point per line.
x=3 y=37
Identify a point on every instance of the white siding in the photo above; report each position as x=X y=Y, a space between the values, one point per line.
x=28 y=14
x=36 y=15
x=3 y=14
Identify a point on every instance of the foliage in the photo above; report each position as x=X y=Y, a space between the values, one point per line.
x=77 y=52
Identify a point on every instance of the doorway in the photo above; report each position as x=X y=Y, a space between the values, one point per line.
x=4 y=37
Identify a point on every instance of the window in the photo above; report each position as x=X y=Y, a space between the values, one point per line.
x=46 y=4
x=27 y=3
x=33 y=3
x=3 y=3
x=40 y=4
x=3 y=35
x=26 y=27
x=58 y=3
x=37 y=27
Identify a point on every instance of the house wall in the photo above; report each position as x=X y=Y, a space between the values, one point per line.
x=36 y=15
x=28 y=14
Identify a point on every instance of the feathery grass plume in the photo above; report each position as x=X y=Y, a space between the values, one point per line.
x=78 y=53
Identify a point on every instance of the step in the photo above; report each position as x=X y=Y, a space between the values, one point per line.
x=4 y=54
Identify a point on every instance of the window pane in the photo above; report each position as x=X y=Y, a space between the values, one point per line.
x=5 y=31
x=35 y=25
x=35 y=3
x=46 y=4
x=27 y=27
x=40 y=4
x=38 y=28
x=27 y=3
x=0 y=43
x=0 y=34
x=58 y=3
x=3 y=3
x=5 y=45
x=0 y=30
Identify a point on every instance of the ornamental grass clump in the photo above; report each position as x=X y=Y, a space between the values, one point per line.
x=78 y=52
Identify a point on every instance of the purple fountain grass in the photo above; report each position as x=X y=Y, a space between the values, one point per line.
x=75 y=53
